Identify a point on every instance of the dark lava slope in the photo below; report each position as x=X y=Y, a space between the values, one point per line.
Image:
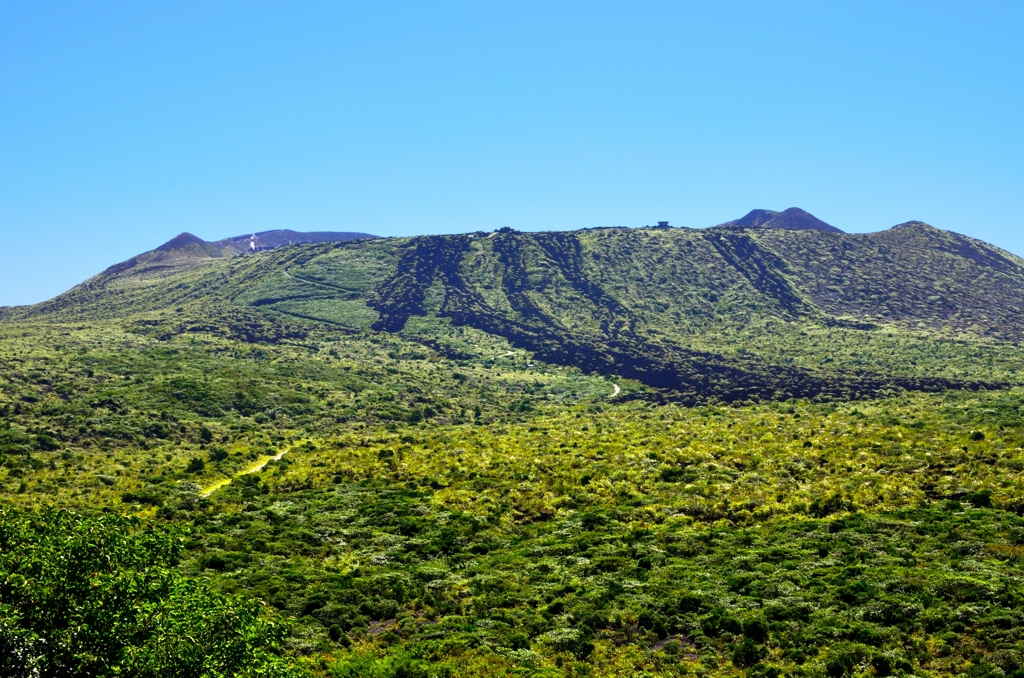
x=619 y=343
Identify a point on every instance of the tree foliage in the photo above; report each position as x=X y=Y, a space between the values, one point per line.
x=98 y=595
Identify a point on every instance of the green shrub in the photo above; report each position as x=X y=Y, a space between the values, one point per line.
x=747 y=653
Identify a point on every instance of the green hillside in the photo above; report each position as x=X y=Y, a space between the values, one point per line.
x=660 y=306
x=759 y=449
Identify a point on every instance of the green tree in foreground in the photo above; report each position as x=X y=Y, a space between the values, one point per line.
x=98 y=596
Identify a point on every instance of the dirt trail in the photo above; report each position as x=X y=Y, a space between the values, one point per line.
x=256 y=466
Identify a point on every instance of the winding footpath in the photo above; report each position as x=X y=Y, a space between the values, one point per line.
x=255 y=467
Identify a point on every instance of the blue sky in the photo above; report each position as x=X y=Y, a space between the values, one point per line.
x=123 y=124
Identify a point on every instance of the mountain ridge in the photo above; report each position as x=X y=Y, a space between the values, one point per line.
x=637 y=303
x=187 y=249
x=265 y=240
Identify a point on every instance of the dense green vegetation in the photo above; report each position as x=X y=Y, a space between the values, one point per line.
x=95 y=411
x=99 y=596
x=664 y=542
x=615 y=452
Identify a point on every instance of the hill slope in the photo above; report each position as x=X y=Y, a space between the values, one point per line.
x=637 y=303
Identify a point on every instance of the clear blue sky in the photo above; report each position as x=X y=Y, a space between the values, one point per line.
x=123 y=124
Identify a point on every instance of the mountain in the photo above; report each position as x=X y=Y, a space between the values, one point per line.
x=181 y=250
x=186 y=250
x=663 y=307
x=793 y=219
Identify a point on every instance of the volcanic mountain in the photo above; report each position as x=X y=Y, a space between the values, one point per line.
x=186 y=250
x=730 y=313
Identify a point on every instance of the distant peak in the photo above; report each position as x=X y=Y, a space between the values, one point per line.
x=755 y=218
x=800 y=220
x=792 y=219
x=913 y=224
x=180 y=241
